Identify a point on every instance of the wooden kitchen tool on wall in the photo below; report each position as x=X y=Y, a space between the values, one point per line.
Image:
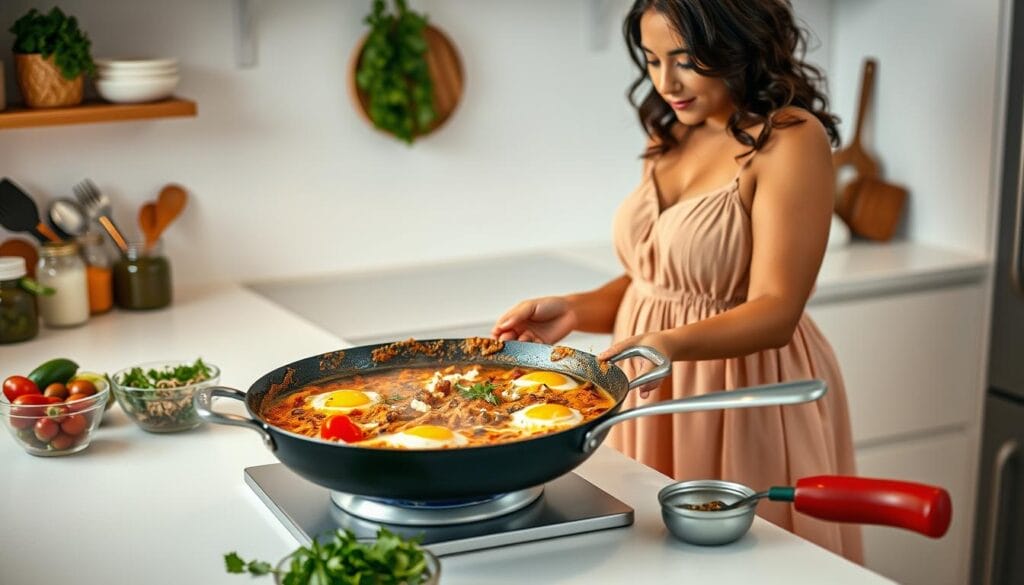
x=870 y=206
x=446 y=74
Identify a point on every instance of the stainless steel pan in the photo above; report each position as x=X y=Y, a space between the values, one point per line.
x=460 y=473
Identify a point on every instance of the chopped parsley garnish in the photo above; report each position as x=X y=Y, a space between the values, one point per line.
x=480 y=391
x=169 y=377
x=340 y=558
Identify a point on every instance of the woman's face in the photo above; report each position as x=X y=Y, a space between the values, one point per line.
x=694 y=98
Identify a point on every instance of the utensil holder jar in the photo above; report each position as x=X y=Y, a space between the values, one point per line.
x=142 y=278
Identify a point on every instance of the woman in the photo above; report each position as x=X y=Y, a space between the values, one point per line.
x=722 y=242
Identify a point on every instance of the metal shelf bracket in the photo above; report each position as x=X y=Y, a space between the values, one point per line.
x=246 y=39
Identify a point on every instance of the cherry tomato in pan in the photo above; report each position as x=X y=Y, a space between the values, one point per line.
x=339 y=426
x=15 y=386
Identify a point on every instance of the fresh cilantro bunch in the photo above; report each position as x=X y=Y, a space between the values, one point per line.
x=393 y=71
x=343 y=560
x=480 y=391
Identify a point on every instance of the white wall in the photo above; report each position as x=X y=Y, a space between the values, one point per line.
x=934 y=107
x=286 y=178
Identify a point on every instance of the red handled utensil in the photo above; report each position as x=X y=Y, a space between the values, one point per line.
x=712 y=512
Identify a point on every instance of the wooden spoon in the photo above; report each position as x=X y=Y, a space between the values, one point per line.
x=169 y=204
x=147 y=223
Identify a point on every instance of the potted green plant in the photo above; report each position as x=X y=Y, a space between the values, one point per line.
x=51 y=56
x=393 y=74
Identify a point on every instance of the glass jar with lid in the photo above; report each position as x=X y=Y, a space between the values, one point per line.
x=62 y=269
x=142 y=278
x=18 y=318
x=98 y=272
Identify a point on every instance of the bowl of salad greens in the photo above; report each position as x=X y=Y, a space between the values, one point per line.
x=158 y=395
x=340 y=557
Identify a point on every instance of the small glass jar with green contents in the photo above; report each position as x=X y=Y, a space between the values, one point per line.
x=142 y=278
x=19 y=320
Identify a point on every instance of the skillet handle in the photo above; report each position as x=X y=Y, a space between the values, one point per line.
x=661 y=363
x=768 y=395
x=203 y=401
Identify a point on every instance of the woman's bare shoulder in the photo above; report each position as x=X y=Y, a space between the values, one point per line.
x=797 y=137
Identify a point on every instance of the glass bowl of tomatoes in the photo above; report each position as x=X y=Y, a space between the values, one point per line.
x=55 y=421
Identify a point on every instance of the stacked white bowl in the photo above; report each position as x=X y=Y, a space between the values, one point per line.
x=132 y=81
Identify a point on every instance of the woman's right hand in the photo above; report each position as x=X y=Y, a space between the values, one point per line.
x=542 y=320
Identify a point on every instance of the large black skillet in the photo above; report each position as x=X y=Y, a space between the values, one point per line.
x=468 y=472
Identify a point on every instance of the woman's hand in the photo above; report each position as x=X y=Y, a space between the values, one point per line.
x=658 y=340
x=542 y=320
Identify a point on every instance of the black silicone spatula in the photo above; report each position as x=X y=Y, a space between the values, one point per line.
x=18 y=213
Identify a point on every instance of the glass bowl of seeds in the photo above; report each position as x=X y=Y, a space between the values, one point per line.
x=158 y=395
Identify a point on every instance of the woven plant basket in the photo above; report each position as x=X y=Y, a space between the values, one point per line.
x=42 y=85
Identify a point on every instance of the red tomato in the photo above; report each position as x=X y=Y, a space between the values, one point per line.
x=16 y=386
x=73 y=425
x=77 y=407
x=32 y=400
x=62 y=441
x=46 y=429
x=28 y=408
x=339 y=426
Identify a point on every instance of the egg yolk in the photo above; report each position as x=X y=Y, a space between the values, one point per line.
x=430 y=432
x=346 y=399
x=549 y=412
x=546 y=378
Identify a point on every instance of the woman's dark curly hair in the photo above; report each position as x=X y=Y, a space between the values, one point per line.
x=754 y=46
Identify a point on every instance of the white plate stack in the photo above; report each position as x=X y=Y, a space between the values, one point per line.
x=132 y=81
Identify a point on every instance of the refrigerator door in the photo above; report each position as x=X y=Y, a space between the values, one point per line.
x=1006 y=368
x=999 y=519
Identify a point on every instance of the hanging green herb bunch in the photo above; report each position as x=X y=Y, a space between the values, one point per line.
x=393 y=71
x=57 y=34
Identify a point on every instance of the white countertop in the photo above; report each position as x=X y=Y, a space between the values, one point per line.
x=465 y=297
x=141 y=508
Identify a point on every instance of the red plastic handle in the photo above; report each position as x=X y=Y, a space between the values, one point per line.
x=914 y=506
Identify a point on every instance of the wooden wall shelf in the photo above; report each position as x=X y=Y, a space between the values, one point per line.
x=17 y=116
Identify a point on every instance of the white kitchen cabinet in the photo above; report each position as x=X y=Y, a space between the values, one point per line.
x=911 y=362
x=908 y=557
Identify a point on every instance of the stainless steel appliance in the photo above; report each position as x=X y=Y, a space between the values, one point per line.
x=999 y=527
x=566 y=505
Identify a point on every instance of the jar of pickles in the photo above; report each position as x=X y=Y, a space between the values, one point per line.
x=62 y=269
x=98 y=272
x=18 y=318
x=142 y=278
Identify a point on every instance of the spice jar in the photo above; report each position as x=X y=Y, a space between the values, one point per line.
x=18 y=318
x=142 y=278
x=62 y=269
x=98 y=273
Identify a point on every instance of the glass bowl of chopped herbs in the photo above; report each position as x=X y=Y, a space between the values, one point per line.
x=158 y=395
x=340 y=557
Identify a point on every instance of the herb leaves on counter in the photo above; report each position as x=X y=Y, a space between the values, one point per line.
x=170 y=377
x=480 y=391
x=390 y=560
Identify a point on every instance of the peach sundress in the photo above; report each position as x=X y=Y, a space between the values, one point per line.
x=691 y=261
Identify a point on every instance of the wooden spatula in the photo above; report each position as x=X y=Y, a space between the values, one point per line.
x=19 y=213
x=870 y=206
